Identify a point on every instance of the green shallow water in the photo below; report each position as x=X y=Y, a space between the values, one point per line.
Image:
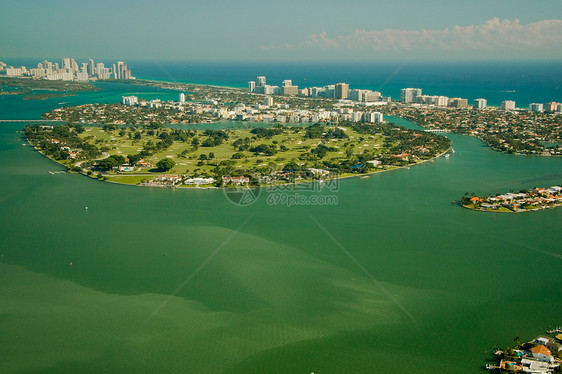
x=393 y=278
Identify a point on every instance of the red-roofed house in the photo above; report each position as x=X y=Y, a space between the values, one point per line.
x=542 y=353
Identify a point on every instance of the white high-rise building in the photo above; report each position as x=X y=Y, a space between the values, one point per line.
x=551 y=107
x=371 y=96
x=261 y=81
x=99 y=69
x=251 y=86
x=182 y=98
x=479 y=103
x=73 y=66
x=410 y=95
x=130 y=100
x=357 y=95
x=119 y=69
x=536 y=107
x=508 y=105
x=287 y=82
x=268 y=101
x=66 y=63
x=373 y=117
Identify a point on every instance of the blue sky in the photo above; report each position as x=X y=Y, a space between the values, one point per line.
x=287 y=30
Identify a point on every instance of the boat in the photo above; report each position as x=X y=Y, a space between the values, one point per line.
x=447 y=155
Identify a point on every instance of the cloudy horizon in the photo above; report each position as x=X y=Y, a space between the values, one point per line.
x=294 y=30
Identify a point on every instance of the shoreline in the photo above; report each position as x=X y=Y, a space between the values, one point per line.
x=155 y=81
x=510 y=211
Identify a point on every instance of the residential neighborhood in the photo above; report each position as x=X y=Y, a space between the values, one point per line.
x=524 y=200
x=542 y=355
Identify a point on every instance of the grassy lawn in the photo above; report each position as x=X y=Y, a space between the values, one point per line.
x=294 y=141
x=127 y=179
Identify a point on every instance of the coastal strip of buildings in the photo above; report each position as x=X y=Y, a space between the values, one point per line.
x=339 y=91
x=414 y=96
x=268 y=111
x=69 y=70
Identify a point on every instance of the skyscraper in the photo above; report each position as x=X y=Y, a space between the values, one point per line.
x=261 y=81
x=120 y=69
x=410 y=95
x=182 y=98
x=536 y=107
x=479 y=103
x=551 y=107
x=251 y=86
x=91 y=67
x=508 y=105
x=342 y=90
x=66 y=63
x=290 y=90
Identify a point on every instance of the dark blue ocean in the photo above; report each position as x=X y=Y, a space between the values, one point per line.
x=523 y=82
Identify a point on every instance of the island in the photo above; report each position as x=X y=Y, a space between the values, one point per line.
x=522 y=201
x=156 y=155
x=542 y=355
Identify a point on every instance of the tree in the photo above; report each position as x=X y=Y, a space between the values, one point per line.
x=165 y=164
x=195 y=143
x=111 y=162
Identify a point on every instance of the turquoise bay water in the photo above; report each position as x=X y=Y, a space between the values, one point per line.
x=394 y=278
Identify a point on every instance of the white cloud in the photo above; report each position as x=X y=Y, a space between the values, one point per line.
x=492 y=35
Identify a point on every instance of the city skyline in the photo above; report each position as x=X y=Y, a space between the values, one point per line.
x=288 y=31
x=67 y=70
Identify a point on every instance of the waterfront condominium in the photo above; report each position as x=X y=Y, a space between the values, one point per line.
x=479 y=103
x=410 y=95
x=508 y=105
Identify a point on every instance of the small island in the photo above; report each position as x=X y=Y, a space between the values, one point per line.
x=522 y=201
x=542 y=355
